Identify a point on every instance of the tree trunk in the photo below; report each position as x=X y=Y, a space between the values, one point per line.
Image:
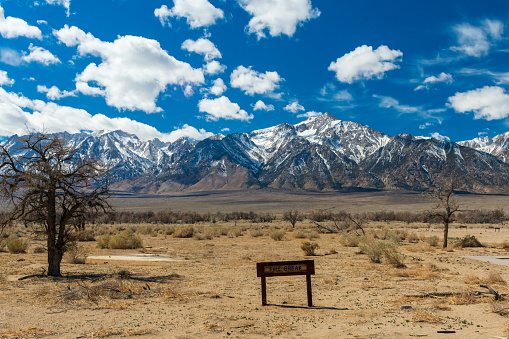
x=446 y=233
x=54 y=260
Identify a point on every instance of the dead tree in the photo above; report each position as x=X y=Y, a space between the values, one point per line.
x=342 y=222
x=48 y=186
x=292 y=217
x=447 y=205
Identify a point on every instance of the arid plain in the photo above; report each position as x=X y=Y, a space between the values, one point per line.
x=206 y=285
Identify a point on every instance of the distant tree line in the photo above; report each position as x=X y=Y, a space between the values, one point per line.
x=481 y=216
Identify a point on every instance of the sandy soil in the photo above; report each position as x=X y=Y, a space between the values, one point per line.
x=214 y=292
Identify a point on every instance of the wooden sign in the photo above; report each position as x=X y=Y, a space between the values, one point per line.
x=285 y=268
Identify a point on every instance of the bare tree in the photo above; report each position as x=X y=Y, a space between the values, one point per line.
x=49 y=187
x=342 y=222
x=292 y=217
x=447 y=205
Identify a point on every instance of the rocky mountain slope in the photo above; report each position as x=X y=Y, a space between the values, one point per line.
x=319 y=154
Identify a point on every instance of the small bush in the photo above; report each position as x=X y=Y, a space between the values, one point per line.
x=277 y=235
x=373 y=249
x=256 y=232
x=470 y=241
x=39 y=249
x=204 y=235
x=103 y=241
x=2 y=245
x=84 y=235
x=433 y=240
x=300 y=234
x=309 y=247
x=125 y=240
x=413 y=238
x=349 y=240
x=236 y=232
x=392 y=256
x=16 y=244
x=76 y=253
x=183 y=232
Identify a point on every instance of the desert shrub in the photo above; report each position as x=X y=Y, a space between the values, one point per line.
x=84 y=235
x=277 y=235
x=183 y=232
x=413 y=238
x=433 y=240
x=236 y=232
x=124 y=240
x=504 y=245
x=39 y=249
x=103 y=241
x=309 y=247
x=2 y=245
x=168 y=230
x=402 y=234
x=349 y=240
x=392 y=256
x=16 y=244
x=373 y=249
x=470 y=241
x=207 y=234
x=300 y=234
x=76 y=253
x=313 y=235
x=256 y=232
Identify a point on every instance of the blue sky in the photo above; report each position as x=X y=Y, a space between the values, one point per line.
x=194 y=68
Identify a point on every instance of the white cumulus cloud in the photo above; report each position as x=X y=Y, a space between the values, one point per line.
x=54 y=93
x=199 y=13
x=223 y=108
x=438 y=136
x=19 y=114
x=252 y=82
x=218 y=87
x=311 y=114
x=365 y=63
x=476 y=41
x=15 y=27
x=202 y=46
x=294 y=107
x=5 y=80
x=278 y=16
x=489 y=102
x=214 y=67
x=442 y=77
x=40 y=55
x=261 y=106
x=133 y=72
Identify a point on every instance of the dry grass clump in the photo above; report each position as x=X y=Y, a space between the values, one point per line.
x=76 y=253
x=84 y=235
x=16 y=244
x=425 y=316
x=377 y=249
x=32 y=332
x=309 y=247
x=104 y=333
x=256 y=232
x=350 y=240
x=237 y=231
x=420 y=271
x=413 y=238
x=124 y=240
x=493 y=278
x=470 y=241
x=433 y=240
x=277 y=235
x=183 y=232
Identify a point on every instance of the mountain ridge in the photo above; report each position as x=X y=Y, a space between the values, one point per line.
x=319 y=154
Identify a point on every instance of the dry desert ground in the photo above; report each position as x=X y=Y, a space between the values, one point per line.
x=206 y=286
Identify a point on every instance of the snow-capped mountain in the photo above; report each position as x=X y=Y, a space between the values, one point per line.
x=320 y=154
x=497 y=146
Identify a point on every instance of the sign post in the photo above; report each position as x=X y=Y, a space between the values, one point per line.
x=285 y=268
